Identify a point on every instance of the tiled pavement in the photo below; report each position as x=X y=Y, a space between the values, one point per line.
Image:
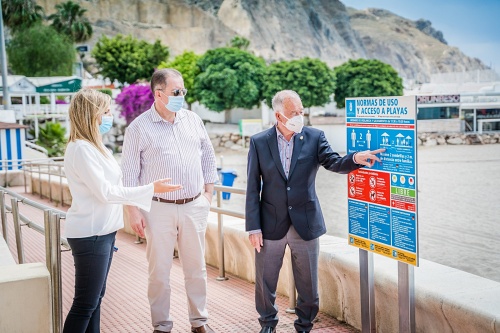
x=125 y=307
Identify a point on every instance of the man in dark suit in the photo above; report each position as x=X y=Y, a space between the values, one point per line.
x=282 y=207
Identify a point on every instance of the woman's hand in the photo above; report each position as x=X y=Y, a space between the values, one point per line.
x=161 y=186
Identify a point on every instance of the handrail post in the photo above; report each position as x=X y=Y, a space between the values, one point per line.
x=40 y=179
x=292 y=294
x=48 y=226
x=24 y=175
x=60 y=186
x=222 y=270
x=138 y=240
x=53 y=254
x=6 y=167
x=50 y=187
x=17 y=229
x=3 y=216
x=31 y=177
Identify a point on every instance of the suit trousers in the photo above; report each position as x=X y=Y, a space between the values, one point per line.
x=185 y=224
x=305 y=271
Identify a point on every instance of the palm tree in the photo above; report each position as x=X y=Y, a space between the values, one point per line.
x=69 y=20
x=19 y=14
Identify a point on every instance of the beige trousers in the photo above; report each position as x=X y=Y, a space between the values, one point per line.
x=185 y=224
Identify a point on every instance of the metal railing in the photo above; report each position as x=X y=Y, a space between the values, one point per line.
x=220 y=244
x=36 y=147
x=292 y=293
x=47 y=167
x=52 y=167
x=220 y=222
x=53 y=242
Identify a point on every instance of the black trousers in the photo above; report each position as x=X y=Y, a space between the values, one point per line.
x=92 y=256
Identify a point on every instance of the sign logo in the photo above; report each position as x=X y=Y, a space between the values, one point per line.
x=350 y=108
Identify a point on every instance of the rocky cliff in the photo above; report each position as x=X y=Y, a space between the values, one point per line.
x=281 y=29
x=414 y=49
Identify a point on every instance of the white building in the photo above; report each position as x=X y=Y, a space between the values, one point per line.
x=459 y=102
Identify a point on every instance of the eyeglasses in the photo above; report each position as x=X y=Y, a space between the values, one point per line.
x=181 y=92
x=177 y=92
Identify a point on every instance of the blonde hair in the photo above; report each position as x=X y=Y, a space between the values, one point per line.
x=85 y=110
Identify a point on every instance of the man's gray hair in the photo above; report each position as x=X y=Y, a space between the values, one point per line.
x=160 y=77
x=280 y=97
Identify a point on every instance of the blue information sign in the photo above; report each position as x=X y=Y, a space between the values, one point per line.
x=382 y=200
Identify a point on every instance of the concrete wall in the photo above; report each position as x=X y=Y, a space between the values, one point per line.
x=11 y=178
x=54 y=191
x=447 y=300
x=25 y=302
x=439 y=125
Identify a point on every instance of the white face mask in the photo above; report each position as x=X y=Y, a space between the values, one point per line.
x=295 y=124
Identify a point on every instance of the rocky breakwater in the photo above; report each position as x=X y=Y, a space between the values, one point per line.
x=434 y=139
x=232 y=141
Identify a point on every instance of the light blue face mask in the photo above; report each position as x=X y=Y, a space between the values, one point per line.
x=106 y=124
x=175 y=103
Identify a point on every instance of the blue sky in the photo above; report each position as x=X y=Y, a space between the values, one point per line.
x=472 y=26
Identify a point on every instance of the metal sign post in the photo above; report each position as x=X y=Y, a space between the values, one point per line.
x=406 y=298
x=382 y=200
x=366 y=284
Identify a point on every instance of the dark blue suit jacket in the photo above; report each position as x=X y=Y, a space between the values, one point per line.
x=273 y=202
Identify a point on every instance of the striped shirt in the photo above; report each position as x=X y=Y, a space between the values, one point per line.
x=285 y=149
x=154 y=148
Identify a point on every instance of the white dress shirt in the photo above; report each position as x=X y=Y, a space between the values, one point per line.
x=95 y=183
x=154 y=148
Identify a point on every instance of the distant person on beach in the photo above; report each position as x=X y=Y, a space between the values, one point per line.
x=170 y=140
x=282 y=207
x=96 y=212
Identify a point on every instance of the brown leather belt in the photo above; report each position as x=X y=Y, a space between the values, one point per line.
x=178 y=201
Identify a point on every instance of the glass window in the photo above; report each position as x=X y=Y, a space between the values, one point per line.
x=488 y=113
x=447 y=112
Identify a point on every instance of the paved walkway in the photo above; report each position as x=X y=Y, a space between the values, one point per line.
x=125 y=307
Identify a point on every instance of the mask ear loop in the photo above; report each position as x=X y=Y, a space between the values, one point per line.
x=161 y=92
x=283 y=123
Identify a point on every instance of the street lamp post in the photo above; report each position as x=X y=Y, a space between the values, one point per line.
x=3 y=60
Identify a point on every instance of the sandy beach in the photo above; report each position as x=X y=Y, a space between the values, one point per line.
x=458 y=204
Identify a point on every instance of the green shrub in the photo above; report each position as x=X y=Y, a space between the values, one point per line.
x=51 y=137
x=106 y=91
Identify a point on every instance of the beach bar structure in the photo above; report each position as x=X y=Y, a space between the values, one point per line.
x=459 y=102
x=28 y=90
x=12 y=143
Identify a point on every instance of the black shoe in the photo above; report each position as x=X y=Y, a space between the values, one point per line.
x=268 y=329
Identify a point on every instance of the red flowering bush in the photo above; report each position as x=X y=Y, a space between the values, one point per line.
x=134 y=100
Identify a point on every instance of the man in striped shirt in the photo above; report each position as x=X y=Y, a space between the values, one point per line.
x=168 y=141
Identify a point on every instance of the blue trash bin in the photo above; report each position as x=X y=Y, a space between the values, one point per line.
x=228 y=176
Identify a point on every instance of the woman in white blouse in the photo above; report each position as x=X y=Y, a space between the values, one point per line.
x=96 y=213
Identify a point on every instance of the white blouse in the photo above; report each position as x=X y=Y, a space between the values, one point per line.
x=95 y=183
